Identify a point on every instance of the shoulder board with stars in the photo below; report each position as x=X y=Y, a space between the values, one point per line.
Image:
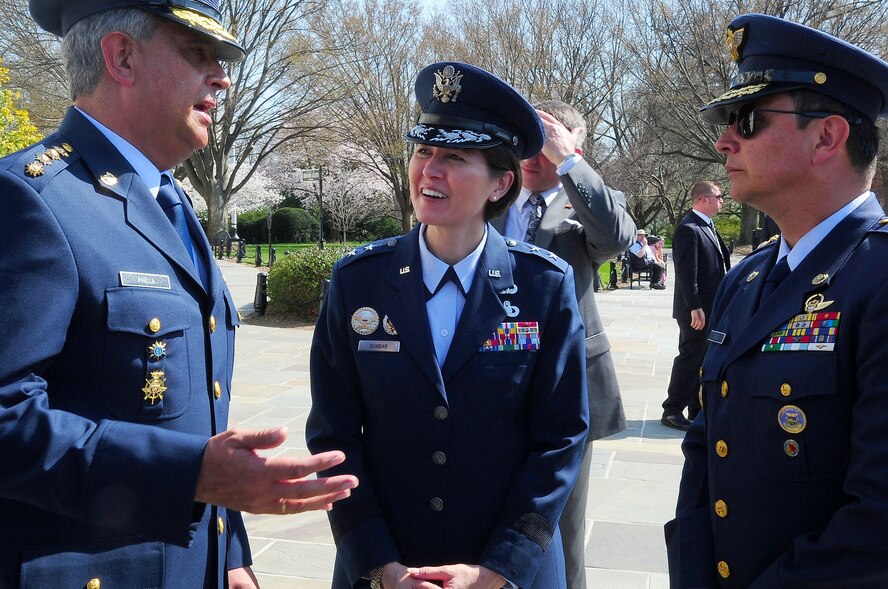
x=527 y=248
x=376 y=247
x=42 y=161
x=771 y=240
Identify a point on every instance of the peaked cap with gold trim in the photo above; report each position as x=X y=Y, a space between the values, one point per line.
x=774 y=55
x=466 y=107
x=203 y=16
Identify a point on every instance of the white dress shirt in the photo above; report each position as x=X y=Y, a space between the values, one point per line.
x=445 y=308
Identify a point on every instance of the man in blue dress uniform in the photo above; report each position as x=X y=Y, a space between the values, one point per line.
x=784 y=482
x=117 y=355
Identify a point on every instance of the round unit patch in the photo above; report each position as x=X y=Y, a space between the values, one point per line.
x=791 y=447
x=792 y=419
x=365 y=321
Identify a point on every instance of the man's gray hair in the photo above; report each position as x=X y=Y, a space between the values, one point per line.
x=82 y=51
x=566 y=115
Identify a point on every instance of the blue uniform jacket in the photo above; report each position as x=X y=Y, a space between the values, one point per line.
x=102 y=310
x=784 y=484
x=470 y=463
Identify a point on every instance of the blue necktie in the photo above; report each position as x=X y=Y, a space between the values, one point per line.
x=538 y=207
x=777 y=275
x=169 y=200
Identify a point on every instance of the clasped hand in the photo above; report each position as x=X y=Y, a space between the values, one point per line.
x=453 y=576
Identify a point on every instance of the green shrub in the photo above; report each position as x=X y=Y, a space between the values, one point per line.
x=728 y=226
x=251 y=226
x=294 y=282
x=290 y=225
x=378 y=228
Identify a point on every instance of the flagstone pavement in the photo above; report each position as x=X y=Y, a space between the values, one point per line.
x=634 y=478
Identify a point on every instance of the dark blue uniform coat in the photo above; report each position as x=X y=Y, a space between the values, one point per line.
x=470 y=463
x=96 y=481
x=785 y=483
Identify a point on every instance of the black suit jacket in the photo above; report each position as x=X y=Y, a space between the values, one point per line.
x=701 y=261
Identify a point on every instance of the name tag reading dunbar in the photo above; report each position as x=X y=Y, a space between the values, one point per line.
x=144 y=280
x=366 y=345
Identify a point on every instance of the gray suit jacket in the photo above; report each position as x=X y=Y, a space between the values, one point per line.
x=586 y=225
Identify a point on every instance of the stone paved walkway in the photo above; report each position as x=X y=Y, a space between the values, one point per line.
x=635 y=473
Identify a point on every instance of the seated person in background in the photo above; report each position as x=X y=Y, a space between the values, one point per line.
x=656 y=242
x=645 y=259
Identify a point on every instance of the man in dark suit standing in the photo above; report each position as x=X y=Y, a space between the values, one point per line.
x=565 y=207
x=118 y=468
x=701 y=260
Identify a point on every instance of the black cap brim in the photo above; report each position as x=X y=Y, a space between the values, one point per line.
x=718 y=111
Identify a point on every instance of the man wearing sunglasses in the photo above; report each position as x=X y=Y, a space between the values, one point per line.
x=784 y=481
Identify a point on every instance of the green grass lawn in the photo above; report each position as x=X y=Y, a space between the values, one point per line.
x=280 y=249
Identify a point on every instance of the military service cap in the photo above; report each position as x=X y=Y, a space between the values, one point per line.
x=774 y=55
x=203 y=16
x=465 y=107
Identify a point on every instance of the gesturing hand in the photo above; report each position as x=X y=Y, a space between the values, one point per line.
x=234 y=475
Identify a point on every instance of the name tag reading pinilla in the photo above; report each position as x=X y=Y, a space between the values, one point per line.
x=144 y=280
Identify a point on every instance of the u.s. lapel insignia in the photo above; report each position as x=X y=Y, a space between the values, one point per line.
x=494 y=273
x=816 y=303
x=155 y=387
x=156 y=351
x=108 y=179
x=820 y=279
x=447 y=86
x=511 y=310
x=365 y=321
x=752 y=276
x=388 y=326
x=404 y=270
x=34 y=169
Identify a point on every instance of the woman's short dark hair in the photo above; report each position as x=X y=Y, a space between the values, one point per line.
x=501 y=159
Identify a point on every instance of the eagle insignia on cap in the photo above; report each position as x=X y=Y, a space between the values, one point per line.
x=447 y=86
x=734 y=42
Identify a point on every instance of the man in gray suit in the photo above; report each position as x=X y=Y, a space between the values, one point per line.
x=565 y=207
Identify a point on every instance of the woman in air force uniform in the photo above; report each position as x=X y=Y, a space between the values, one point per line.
x=448 y=364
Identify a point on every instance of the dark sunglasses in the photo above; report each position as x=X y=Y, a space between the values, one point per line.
x=745 y=117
